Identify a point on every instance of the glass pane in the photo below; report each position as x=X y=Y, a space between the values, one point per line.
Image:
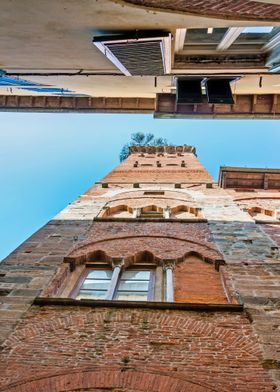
x=137 y=275
x=100 y=274
x=255 y=37
x=202 y=36
x=131 y=296
x=135 y=285
x=90 y=284
x=87 y=294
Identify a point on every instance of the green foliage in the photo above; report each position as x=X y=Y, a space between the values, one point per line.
x=141 y=139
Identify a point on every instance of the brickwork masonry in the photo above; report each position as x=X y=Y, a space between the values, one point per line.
x=59 y=348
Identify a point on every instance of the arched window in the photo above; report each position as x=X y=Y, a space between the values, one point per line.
x=185 y=212
x=144 y=277
x=151 y=212
x=132 y=284
x=259 y=213
x=120 y=211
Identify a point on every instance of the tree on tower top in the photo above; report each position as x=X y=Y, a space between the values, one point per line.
x=141 y=139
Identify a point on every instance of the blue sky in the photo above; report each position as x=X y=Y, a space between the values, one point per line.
x=47 y=160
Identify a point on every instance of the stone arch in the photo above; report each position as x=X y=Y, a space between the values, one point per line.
x=114 y=380
x=144 y=256
x=122 y=195
x=258 y=210
x=162 y=247
x=120 y=211
x=185 y=211
x=260 y=213
x=99 y=255
x=134 y=205
x=151 y=211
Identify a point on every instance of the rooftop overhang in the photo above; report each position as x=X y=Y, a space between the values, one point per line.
x=164 y=106
x=243 y=178
x=244 y=106
x=115 y=52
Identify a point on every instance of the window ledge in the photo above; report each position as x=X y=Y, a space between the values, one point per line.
x=190 y=220
x=267 y=222
x=44 y=301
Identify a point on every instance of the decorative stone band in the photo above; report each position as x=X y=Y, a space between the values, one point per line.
x=161 y=149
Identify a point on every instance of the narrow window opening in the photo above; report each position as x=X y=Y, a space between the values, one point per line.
x=154 y=193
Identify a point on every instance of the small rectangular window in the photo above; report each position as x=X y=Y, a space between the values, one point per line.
x=153 y=193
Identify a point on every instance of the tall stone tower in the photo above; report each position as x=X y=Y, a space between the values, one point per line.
x=156 y=279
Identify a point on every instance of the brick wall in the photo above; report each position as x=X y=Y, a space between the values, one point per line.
x=126 y=172
x=62 y=348
x=197 y=281
x=163 y=239
x=232 y=9
x=31 y=267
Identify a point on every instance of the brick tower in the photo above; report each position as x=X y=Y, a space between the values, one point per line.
x=156 y=279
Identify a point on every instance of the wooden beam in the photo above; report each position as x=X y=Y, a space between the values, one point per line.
x=230 y=36
x=245 y=106
x=180 y=39
x=76 y=104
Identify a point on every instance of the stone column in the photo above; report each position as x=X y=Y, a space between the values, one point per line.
x=117 y=263
x=166 y=212
x=136 y=212
x=168 y=266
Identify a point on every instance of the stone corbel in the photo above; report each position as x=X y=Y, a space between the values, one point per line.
x=117 y=262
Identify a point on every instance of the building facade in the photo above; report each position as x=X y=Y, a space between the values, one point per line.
x=155 y=279
x=128 y=56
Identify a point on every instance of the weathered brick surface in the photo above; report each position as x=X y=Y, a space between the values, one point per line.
x=30 y=268
x=201 y=351
x=198 y=282
x=66 y=349
x=233 y=9
x=170 y=170
x=164 y=240
x=273 y=231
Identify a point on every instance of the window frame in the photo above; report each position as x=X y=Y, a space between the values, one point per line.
x=88 y=267
x=151 y=286
x=93 y=267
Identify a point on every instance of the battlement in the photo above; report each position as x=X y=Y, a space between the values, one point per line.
x=169 y=149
